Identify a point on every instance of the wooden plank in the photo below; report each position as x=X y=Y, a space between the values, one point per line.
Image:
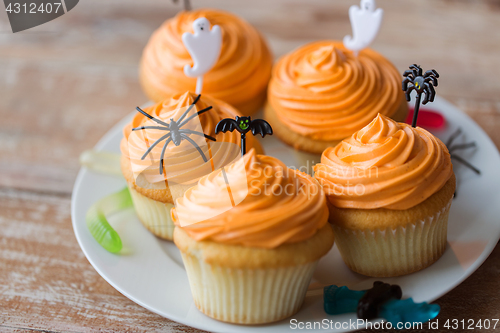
x=46 y=283
x=64 y=84
x=484 y=112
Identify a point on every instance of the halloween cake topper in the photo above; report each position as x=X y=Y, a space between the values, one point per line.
x=421 y=83
x=244 y=125
x=381 y=301
x=204 y=47
x=452 y=149
x=365 y=21
x=175 y=133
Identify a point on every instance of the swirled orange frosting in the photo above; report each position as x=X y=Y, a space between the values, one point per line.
x=183 y=163
x=324 y=92
x=386 y=164
x=241 y=73
x=279 y=205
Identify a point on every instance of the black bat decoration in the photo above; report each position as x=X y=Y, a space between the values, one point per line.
x=421 y=83
x=176 y=133
x=244 y=125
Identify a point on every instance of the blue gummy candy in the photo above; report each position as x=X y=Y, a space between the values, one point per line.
x=339 y=300
x=407 y=311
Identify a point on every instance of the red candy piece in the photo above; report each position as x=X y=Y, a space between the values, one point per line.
x=427 y=119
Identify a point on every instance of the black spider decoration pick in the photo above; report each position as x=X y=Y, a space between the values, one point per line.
x=452 y=148
x=421 y=84
x=176 y=133
x=244 y=125
x=187 y=4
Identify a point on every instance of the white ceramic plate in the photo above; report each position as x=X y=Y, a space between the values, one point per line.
x=149 y=271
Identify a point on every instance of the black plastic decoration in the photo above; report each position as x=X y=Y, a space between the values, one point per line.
x=244 y=125
x=414 y=80
x=452 y=149
x=176 y=133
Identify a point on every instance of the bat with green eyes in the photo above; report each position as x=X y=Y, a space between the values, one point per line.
x=244 y=125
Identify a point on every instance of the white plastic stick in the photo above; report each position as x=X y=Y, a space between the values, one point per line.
x=199 y=84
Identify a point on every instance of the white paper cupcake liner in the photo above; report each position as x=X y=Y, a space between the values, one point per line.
x=394 y=252
x=154 y=215
x=247 y=296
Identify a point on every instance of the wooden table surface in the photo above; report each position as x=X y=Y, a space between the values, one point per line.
x=65 y=83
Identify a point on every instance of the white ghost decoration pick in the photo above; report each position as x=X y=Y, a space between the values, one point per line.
x=365 y=22
x=204 y=47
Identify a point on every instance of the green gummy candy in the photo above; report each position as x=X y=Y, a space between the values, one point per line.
x=99 y=226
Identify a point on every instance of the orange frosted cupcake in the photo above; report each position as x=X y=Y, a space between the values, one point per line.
x=240 y=76
x=321 y=93
x=389 y=188
x=252 y=263
x=153 y=193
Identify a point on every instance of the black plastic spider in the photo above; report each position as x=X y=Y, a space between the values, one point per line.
x=451 y=149
x=421 y=84
x=176 y=132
